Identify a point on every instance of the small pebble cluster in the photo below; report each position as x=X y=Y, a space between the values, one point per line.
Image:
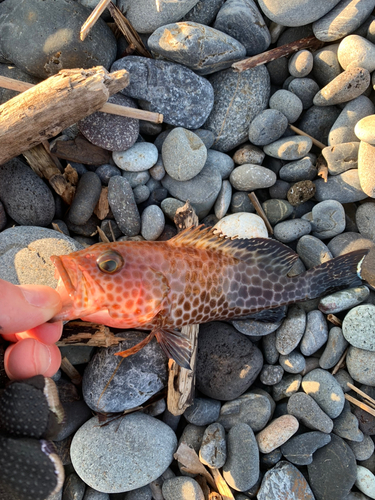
x=271 y=409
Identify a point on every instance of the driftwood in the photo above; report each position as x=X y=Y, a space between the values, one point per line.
x=181 y=381
x=309 y=42
x=80 y=150
x=88 y=334
x=46 y=109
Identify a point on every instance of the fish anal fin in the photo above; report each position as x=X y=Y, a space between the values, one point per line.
x=175 y=345
x=136 y=348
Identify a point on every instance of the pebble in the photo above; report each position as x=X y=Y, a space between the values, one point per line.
x=293 y=362
x=334 y=349
x=203 y=411
x=140 y=157
x=131 y=444
x=157 y=172
x=350 y=84
x=343 y=377
x=182 y=97
x=289 y=104
x=141 y=193
x=361 y=365
x=365 y=130
x=284 y=481
x=227 y=362
x=123 y=206
x=300 y=192
x=230 y=117
x=249 y=177
x=241 y=203
x=316 y=333
x=170 y=205
x=356 y=51
x=289 y=334
x=298 y=170
x=346 y=17
x=268 y=126
x=3 y=217
x=299 y=449
x=312 y=251
x=192 y=435
x=91 y=494
x=277 y=210
x=184 y=154
x=106 y=171
x=301 y=63
x=347 y=242
x=223 y=200
x=271 y=354
x=213 y=451
x=346 y=425
x=344 y=299
x=326 y=65
x=203 y=49
x=335 y=460
x=277 y=433
x=204 y=11
x=222 y=162
x=345 y=188
x=341 y=157
x=288 y=386
x=363 y=218
x=289 y=148
x=365 y=481
x=182 y=488
x=328 y=219
x=278 y=70
x=152 y=222
x=74 y=487
x=291 y=230
x=243 y=225
x=139 y=377
x=25 y=197
x=358 y=327
x=366 y=155
x=325 y=390
x=85 y=199
x=250 y=408
x=309 y=413
x=317 y=121
x=248 y=153
x=305 y=89
x=108 y=131
x=271 y=375
x=136 y=178
x=364 y=449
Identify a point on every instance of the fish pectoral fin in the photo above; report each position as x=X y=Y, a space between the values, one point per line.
x=137 y=347
x=175 y=345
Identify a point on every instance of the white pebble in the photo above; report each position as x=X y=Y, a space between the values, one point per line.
x=243 y=225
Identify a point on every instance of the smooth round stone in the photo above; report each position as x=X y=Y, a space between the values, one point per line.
x=182 y=97
x=343 y=129
x=111 y=132
x=243 y=225
x=365 y=129
x=206 y=136
x=201 y=191
x=222 y=162
x=170 y=206
x=289 y=148
x=42 y=38
x=3 y=218
x=343 y=19
x=298 y=170
x=136 y=178
x=203 y=411
x=366 y=155
x=268 y=460
x=242 y=20
x=350 y=84
x=257 y=328
x=345 y=188
x=361 y=365
x=277 y=433
x=326 y=65
x=343 y=377
x=25 y=197
x=288 y=386
x=348 y=242
x=365 y=481
x=341 y=157
x=201 y=48
x=146 y=16
x=296 y=12
x=223 y=200
x=157 y=172
x=106 y=171
x=327 y=219
x=142 y=448
x=241 y=203
x=192 y=435
x=344 y=299
x=152 y=222
x=184 y=154
x=227 y=362
x=309 y=413
x=316 y=333
x=317 y=121
x=289 y=334
x=287 y=103
x=230 y=117
x=335 y=460
x=364 y=217
x=293 y=362
x=271 y=374
x=325 y=390
x=248 y=153
x=277 y=210
x=182 y=488
x=299 y=449
x=301 y=63
x=74 y=487
x=364 y=449
x=250 y=408
x=204 y=11
x=251 y=177
x=291 y=230
x=141 y=193
x=267 y=127
x=346 y=425
x=213 y=451
x=241 y=469
x=358 y=327
x=279 y=190
x=284 y=481
x=304 y=88
x=334 y=349
x=271 y=354
x=85 y=199
x=355 y=51
x=91 y=494
x=140 y=157
x=123 y=206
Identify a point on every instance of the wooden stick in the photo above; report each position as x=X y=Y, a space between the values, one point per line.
x=301 y=132
x=93 y=17
x=334 y=320
x=108 y=107
x=221 y=485
x=361 y=393
x=361 y=405
x=339 y=363
x=309 y=42
x=259 y=210
x=73 y=374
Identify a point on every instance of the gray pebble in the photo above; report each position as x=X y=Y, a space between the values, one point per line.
x=268 y=126
x=91 y=494
x=364 y=449
x=250 y=177
x=161 y=138
x=277 y=210
x=350 y=84
x=136 y=178
x=279 y=190
x=250 y=408
x=286 y=387
x=299 y=449
x=206 y=136
x=288 y=103
x=282 y=478
x=105 y=172
x=317 y=121
x=360 y=364
x=192 y=435
x=149 y=128
x=299 y=170
x=152 y=222
x=296 y=13
x=355 y=51
x=213 y=451
x=271 y=354
x=278 y=70
x=364 y=218
x=344 y=299
x=74 y=487
x=87 y=230
x=346 y=425
x=366 y=155
x=312 y=251
x=241 y=203
x=180 y=488
x=140 y=157
x=248 y=153
x=334 y=349
x=123 y=206
x=86 y=197
x=255 y=328
x=305 y=89
x=289 y=148
x=141 y=193
x=301 y=63
x=3 y=217
x=157 y=172
x=170 y=205
x=222 y=162
x=309 y=413
x=291 y=230
x=11 y=71
x=343 y=128
x=343 y=377
x=326 y=65
x=223 y=200
x=316 y=333
x=358 y=327
x=325 y=390
x=341 y=157
x=293 y=362
x=204 y=11
x=203 y=411
x=268 y=460
x=289 y=334
x=271 y=374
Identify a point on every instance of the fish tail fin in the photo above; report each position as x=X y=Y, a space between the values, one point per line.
x=336 y=274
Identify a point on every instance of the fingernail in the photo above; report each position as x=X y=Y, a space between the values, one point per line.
x=41 y=297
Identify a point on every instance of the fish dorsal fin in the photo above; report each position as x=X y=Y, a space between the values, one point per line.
x=262 y=252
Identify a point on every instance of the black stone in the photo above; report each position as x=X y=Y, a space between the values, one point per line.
x=299 y=449
x=86 y=197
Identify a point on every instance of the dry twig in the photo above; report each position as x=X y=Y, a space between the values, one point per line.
x=334 y=320
x=73 y=374
x=88 y=334
x=361 y=405
x=369 y=399
x=339 y=363
x=259 y=210
x=301 y=132
x=93 y=17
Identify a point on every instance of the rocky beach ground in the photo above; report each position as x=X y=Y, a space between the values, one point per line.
x=273 y=413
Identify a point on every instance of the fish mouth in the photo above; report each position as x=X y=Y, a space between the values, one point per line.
x=69 y=276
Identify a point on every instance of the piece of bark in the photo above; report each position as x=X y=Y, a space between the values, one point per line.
x=322 y=167
x=80 y=150
x=309 y=42
x=102 y=207
x=46 y=109
x=181 y=382
x=83 y=333
x=190 y=463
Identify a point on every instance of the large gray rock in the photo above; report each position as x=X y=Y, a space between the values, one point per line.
x=296 y=12
x=345 y=188
x=284 y=481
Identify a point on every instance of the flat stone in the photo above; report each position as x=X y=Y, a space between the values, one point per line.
x=350 y=84
x=277 y=433
x=366 y=155
x=289 y=148
x=341 y=157
x=312 y=251
x=356 y=51
x=291 y=230
x=123 y=206
x=243 y=225
x=222 y=162
x=293 y=362
x=309 y=413
x=140 y=157
x=182 y=97
x=299 y=170
x=362 y=450
x=141 y=446
x=316 y=333
x=326 y=65
x=334 y=349
x=347 y=242
x=299 y=449
x=300 y=63
x=250 y=177
x=346 y=425
x=201 y=48
x=289 y=334
x=328 y=219
x=287 y=103
x=268 y=126
x=289 y=385
x=136 y=178
x=241 y=203
x=213 y=451
x=345 y=188
x=344 y=299
x=86 y=198
x=296 y=12
x=192 y=435
x=284 y=481
x=325 y=390
x=203 y=411
x=230 y=116
x=358 y=327
x=106 y=171
x=271 y=354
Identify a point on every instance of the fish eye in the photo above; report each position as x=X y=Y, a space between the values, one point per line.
x=110 y=262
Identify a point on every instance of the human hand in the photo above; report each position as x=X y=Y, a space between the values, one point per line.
x=24 y=311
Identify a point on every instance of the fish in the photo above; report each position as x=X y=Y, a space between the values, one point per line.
x=196 y=277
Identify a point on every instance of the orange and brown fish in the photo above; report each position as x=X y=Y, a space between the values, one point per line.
x=195 y=277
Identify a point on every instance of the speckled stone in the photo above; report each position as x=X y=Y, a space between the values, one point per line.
x=204 y=11
x=271 y=354
x=112 y=132
x=141 y=156
x=106 y=171
x=268 y=126
x=309 y=413
x=291 y=230
x=358 y=327
x=271 y=374
x=203 y=411
x=289 y=148
x=85 y=199
x=184 y=98
x=287 y=103
x=356 y=51
x=284 y=481
x=365 y=481
x=346 y=425
x=170 y=205
x=366 y=155
x=136 y=178
x=300 y=63
x=123 y=206
x=250 y=177
x=299 y=170
x=364 y=217
x=317 y=121
x=350 y=84
x=334 y=349
x=201 y=48
x=300 y=192
x=325 y=390
x=293 y=362
x=277 y=433
x=341 y=157
x=288 y=386
x=343 y=377
x=277 y=210
x=289 y=334
x=345 y=188
x=230 y=117
x=213 y=451
x=326 y=65
x=299 y=449
x=361 y=365
x=141 y=193
x=242 y=225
